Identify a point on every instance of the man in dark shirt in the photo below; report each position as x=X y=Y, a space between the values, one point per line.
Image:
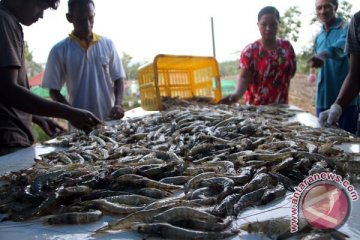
x=18 y=106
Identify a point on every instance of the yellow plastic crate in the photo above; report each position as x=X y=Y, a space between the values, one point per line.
x=178 y=76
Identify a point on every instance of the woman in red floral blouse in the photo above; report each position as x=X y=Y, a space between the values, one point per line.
x=267 y=65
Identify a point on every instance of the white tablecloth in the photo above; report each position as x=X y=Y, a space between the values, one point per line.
x=24 y=159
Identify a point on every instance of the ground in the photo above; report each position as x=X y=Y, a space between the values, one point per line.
x=302 y=94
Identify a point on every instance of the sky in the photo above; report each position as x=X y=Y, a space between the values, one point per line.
x=145 y=28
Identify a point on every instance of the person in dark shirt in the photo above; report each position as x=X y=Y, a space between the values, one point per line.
x=19 y=108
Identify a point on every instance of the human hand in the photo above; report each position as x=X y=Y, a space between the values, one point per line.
x=84 y=120
x=312 y=77
x=117 y=112
x=317 y=61
x=50 y=127
x=230 y=99
x=330 y=116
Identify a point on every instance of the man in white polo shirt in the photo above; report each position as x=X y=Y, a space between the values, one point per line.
x=89 y=66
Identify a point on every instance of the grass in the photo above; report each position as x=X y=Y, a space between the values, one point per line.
x=40 y=135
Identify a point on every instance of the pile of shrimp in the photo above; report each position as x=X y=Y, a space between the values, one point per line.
x=186 y=172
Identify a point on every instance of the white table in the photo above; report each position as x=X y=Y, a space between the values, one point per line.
x=24 y=159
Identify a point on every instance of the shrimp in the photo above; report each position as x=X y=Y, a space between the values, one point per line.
x=75 y=217
x=169 y=231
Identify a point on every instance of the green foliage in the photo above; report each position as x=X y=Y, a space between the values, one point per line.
x=229 y=68
x=130 y=69
x=32 y=67
x=40 y=135
x=344 y=10
x=290 y=24
x=303 y=58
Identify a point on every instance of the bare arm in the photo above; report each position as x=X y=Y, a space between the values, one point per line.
x=242 y=86
x=119 y=91
x=351 y=86
x=50 y=127
x=317 y=61
x=243 y=83
x=57 y=96
x=21 y=98
x=117 y=112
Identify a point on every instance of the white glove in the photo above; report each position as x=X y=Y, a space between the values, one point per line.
x=330 y=116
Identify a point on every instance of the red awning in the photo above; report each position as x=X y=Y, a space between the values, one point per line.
x=36 y=80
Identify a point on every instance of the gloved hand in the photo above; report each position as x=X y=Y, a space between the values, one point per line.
x=330 y=116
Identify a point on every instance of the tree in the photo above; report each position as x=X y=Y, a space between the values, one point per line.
x=130 y=69
x=290 y=24
x=344 y=10
x=133 y=70
x=229 y=68
x=32 y=68
x=303 y=58
x=126 y=59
